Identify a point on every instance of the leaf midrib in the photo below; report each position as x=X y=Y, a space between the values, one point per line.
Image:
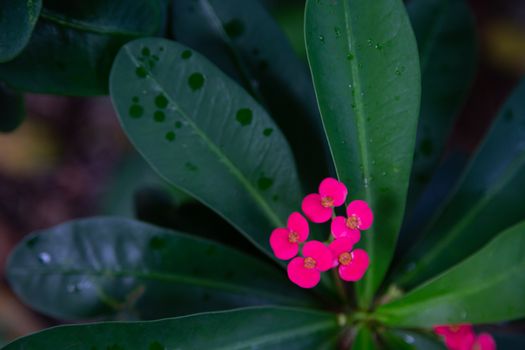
x=84 y=26
x=155 y=276
x=233 y=169
x=361 y=134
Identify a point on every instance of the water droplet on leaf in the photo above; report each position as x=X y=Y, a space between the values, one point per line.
x=244 y=116
x=161 y=101
x=44 y=258
x=234 y=28
x=186 y=54
x=196 y=81
x=170 y=136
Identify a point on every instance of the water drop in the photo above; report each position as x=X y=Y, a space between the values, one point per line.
x=244 y=116
x=379 y=47
x=161 y=101
x=365 y=182
x=267 y=131
x=321 y=38
x=145 y=51
x=383 y=173
x=264 y=183
x=409 y=339
x=370 y=42
x=159 y=116
x=191 y=167
x=234 y=28
x=350 y=56
x=196 y=81
x=275 y=198
x=141 y=72
x=337 y=31
x=136 y=111
x=170 y=136
x=44 y=258
x=186 y=54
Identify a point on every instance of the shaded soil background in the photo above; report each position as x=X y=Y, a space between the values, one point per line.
x=59 y=164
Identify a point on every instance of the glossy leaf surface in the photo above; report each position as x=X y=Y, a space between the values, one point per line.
x=364 y=340
x=106 y=266
x=365 y=67
x=203 y=133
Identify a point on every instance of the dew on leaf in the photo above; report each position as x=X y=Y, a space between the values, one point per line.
x=161 y=101
x=234 y=28
x=244 y=116
x=156 y=346
x=178 y=124
x=159 y=116
x=337 y=31
x=196 y=81
x=146 y=51
x=44 y=258
x=136 y=111
x=379 y=47
x=157 y=242
x=275 y=198
x=264 y=183
x=399 y=70
x=321 y=38
x=170 y=136
x=141 y=72
x=186 y=54
x=267 y=131
x=155 y=57
x=191 y=167
x=350 y=56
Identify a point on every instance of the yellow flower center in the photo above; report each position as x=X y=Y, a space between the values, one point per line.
x=327 y=202
x=345 y=258
x=309 y=263
x=353 y=222
x=293 y=237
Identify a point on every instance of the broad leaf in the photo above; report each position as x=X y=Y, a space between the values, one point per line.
x=487 y=200
x=106 y=266
x=244 y=41
x=17 y=20
x=205 y=135
x=12 y=111
x=260 y=328
x=487 y=287
x=364 y=339
x=404 y=339
x=446 y=38
x=365 y=67
x=74 y=44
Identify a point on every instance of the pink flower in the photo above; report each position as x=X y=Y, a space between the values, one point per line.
x=306 y=272
x=352 y=264
x=483 y=341
x=318 y=207
x=285 y=241
x=360 y=217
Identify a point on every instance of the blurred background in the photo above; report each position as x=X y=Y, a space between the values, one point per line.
x=70 y=159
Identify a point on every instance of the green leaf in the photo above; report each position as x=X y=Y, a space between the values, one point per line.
x=12 y=110
x=396 y=339
x=245 y=42
x=485 y=288
x=74 y=44
x=17 y=20
x=205 y=135
x=260 y=328
x=446 y=36
x=364 y=339
x=487 y=200
x=106 y=266
x=365 y=67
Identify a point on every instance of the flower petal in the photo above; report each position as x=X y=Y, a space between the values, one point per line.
x=281 y=246
x=303 y=277
x=340 y=230
x=320 y=253
x=362 y=211
x=357 y=267
x=334 y=189
x=313 y=209
x=297 y=223
x=486 y=342
x=341 y=245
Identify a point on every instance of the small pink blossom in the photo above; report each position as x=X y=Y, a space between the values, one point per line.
x=482 y=341
x=285 y=241
x=359 y=217
x=306 y=271
x=318 y=207
x=352 y=263
x=454 y=335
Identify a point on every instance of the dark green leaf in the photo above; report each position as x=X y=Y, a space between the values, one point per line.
x=105 y=266
x=446 y=37
x=252 y=328
x=74 y=43
x=365 y=66
x=488 y=199
x=206 y=135
x=404 y=339
x=364 y=340
x=487 y=287
x=17 y=20
x=12 y=111
x=244 y=41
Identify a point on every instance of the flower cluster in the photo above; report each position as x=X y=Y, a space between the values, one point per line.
x=318 y=257
x=462 y=337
